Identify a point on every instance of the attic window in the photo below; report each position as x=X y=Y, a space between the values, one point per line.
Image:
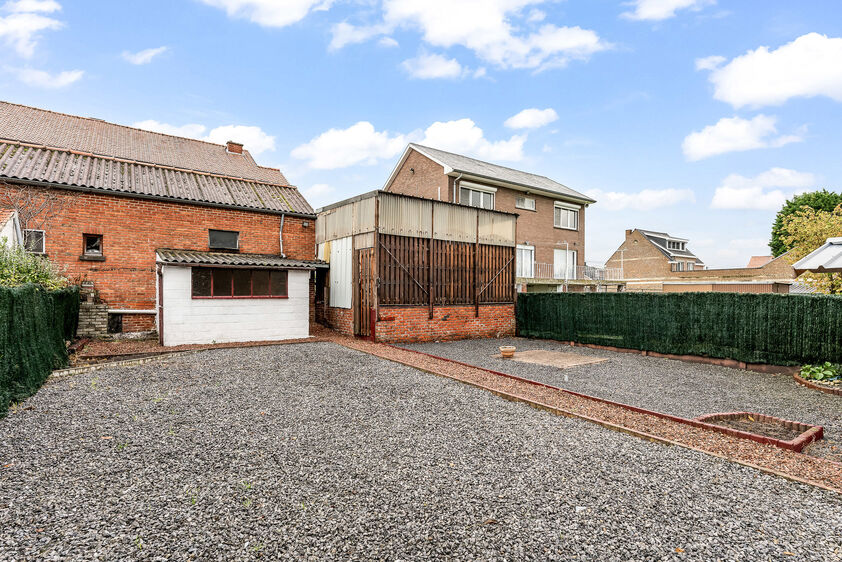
x=223 y=240
x=672 y=245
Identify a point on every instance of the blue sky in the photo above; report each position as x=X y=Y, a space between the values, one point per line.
x=696 y=117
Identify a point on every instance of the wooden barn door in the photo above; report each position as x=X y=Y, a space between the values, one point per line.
x=364 y=265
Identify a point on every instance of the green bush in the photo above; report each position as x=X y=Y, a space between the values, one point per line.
x=19 y=267
x=755 y=328
x=34 y=325
x=825 y=372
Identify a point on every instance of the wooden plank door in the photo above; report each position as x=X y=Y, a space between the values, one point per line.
x=364 y=262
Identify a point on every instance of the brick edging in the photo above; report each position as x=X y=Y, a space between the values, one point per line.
x=809 y=432
x=762 y=439
x=809 y=384
x=608 y=425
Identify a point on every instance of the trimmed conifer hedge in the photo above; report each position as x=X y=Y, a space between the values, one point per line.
x=34 y=324
x=756 y=328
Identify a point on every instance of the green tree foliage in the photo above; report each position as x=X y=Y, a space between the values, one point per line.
x=823 y=200
x=19 y=267
x=806 y=230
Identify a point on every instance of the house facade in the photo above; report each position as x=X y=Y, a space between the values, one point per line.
x=550 y=240
x=183 y=237
x=658 y=262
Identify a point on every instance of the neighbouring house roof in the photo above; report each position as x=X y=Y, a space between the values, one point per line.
x=825 y=259
x=78 y=152
x=194 y=257
x=457 y=163
x=759 y=261
x=660 y=239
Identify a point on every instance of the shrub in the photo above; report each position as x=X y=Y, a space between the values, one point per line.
x=19 y=267
x=826 y=372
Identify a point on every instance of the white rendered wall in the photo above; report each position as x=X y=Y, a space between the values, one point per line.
x=189 y=320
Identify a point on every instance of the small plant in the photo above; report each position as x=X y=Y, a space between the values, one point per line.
x=18 y=267
x=825 y=372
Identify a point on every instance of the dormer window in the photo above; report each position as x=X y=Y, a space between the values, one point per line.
x=223 y=240
x=674 y=245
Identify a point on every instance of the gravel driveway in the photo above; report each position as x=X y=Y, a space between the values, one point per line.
x=664 y=385
x=315 y=451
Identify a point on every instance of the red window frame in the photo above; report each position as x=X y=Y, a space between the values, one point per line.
x=231 y=295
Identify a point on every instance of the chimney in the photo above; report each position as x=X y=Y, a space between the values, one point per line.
x=628 y=232
x=235 y=147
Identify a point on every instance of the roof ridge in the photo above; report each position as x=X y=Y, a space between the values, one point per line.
x=144 y=163
x=487 y=162
x=99 y=120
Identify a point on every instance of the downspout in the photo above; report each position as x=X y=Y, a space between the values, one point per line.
x=281 y=236
x=456 y=188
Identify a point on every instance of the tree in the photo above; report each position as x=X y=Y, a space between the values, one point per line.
x=805 y=231
x=823 y=200
x=36 y=206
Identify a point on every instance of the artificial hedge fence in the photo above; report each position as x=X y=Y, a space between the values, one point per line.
x=756 y=328
x=34 y=325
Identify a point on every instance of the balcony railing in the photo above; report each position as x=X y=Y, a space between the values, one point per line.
x=580 y=272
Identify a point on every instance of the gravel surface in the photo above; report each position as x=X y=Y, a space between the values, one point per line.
x=318 y=452
x=664 y=385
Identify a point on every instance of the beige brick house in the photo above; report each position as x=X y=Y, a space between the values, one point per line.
x=656 y=261
x=551 y=216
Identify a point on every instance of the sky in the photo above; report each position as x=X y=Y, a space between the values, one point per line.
x=693 y=117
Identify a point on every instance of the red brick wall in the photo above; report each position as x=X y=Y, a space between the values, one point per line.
x=132 y=229
x=427 y=180
x=340 y=319
x=411 y=323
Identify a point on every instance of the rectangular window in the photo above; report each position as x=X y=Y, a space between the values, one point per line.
x=33 y=241
x=525 y=262
x=527 y=203
x=678 y=266
x=671 y=245
x=92 y=245
x=566 y=217
x=564 y=266
x=223 y=240
x=218 y=282
x=476 y=198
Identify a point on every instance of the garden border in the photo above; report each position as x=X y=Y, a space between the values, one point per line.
x=810 y=384
x=809 y=434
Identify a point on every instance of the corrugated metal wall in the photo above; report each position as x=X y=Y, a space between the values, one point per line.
x=340 y=273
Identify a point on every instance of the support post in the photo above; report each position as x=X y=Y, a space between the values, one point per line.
x=476 y=270
x=431 y=261
x=376 y=266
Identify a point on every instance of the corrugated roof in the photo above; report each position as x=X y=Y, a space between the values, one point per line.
x=472 y=166
x=194 y=257
x=659 y=239
x=24 y=162
x=825 y=259
x=72 y=132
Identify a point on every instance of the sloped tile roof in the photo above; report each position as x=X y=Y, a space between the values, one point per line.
x=31 y=125
x=62 y=167
x=194 y=257
x=472 y=166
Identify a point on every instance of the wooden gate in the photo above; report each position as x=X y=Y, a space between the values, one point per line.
x=364 y=277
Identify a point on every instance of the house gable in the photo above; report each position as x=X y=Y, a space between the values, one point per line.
x=419 y=176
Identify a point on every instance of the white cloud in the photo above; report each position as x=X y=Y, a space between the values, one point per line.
x=807 y=67
x=318 y=194
x=531 y=118
x=464 y=137
x=709 y=63
x=733 y=134
x=358 y=144
x=432 y=66
x=43 y=79
x=21 y=27
x=270 y=13
x=344 y=33
x=254 y=139
x=362 y=144
x=766 y=191
x=145 y=56
x=644 y=200
x=657 y=10
x=387 y=42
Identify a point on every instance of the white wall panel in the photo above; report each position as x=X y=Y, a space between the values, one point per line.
x=340 y=273
x=188 y=320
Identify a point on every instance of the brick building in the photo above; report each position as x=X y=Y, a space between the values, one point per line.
x=114 y=201
x=656 y=261
x=551 y=216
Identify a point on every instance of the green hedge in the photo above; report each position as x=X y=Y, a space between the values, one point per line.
x=755 y=328
x=34 y=324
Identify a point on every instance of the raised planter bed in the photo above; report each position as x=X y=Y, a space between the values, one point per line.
x=816 y=386
x=764 y=429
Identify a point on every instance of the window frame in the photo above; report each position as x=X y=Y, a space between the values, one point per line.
x=575 y=209
x=85 y=252
x=221 y=248
x=519 y=263
x=524 y=206
x=482 y=190
x=43 y=241
x=232 y=296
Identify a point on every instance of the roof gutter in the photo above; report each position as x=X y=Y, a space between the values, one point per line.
x=102 y=191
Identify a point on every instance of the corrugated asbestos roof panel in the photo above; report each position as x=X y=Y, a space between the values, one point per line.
x=194 y=257
x=84 y=134
x=78 y=170
x=469 y=165
x=826 y=259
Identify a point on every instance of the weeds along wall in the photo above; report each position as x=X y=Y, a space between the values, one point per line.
x=756 y=328
x=34 y=324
